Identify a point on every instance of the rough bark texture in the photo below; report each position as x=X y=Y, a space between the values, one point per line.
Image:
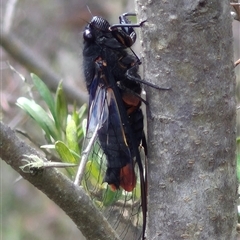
x=187 y=45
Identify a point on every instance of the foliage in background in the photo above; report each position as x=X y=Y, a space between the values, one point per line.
x=63 y=131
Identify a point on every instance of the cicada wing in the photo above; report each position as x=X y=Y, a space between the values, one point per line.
x=120 y=169
x=97 y=118
x=109 y=176
x=97 y=115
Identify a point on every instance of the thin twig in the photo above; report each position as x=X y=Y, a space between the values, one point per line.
x=9 y=13
x=84 y=158
x=237 y=62
x=236 y=8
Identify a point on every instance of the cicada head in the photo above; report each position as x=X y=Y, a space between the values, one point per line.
x=96 y=26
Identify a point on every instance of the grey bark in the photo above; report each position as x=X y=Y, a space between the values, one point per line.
x=187 y=45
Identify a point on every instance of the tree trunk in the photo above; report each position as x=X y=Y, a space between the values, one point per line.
x=187 y=45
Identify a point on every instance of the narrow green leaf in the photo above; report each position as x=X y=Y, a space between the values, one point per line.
x=66 y=156
x=75 y=115
x=40 y=116
x=45 y=94
x=82 y=111
x=109 y=196
x=84 y=126
x=61 y=107
x=94 y=177
x=80 y=134
x=78 y=118
x=77 y=156
x=137 y=191
x=71 y=135
x=64 y=152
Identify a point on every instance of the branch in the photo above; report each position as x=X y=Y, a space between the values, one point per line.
x=71 y=198
x=237 y=62
x=8 y=17
x=21 y=53
x=236 y=7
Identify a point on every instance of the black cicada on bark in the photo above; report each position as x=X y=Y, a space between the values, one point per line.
x=115 y=125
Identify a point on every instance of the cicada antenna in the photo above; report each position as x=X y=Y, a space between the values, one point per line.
x=89 y=10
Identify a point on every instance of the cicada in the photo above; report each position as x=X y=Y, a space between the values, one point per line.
x=115 y=141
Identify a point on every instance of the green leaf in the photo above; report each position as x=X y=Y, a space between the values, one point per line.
x=109 y=196
x=61 y=107
x=77 y=156
x=45 y=94
x=82 y=111
x=71 y=135
x=84 y=127
x=78 y=118
x=66 y=156
x=40 y=116
x=137 y=191
x=75 y=115
x=64 y=152
x=95 y=177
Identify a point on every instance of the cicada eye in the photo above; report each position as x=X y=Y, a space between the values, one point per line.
x=87 y=35
x=100 y=23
